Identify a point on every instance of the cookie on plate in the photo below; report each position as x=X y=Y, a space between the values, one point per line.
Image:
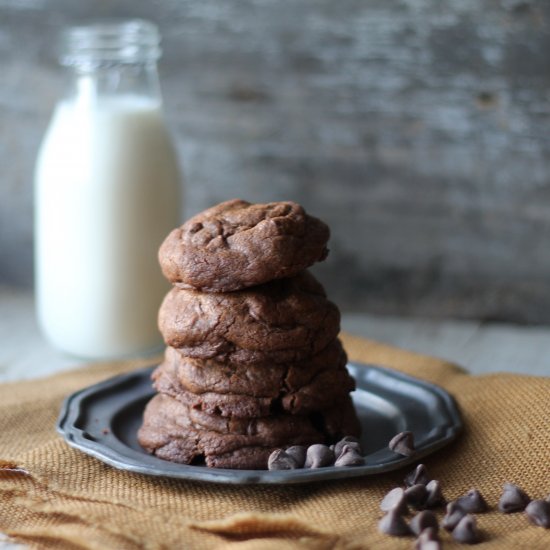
x=282 y=321
x=175 y=432
x=324 y=389
x=266 y=379
x=236 y=244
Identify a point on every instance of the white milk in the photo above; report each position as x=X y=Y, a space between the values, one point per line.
x=106 y=196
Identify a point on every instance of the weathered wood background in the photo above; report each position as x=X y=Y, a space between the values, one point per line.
x=419 y=129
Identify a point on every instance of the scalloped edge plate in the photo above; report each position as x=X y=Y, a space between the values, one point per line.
x=102 y=421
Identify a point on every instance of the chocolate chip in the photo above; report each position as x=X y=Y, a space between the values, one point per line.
x=428 y=540
x=280 y=460
x=435 y=497
x=349 y=457
x=429 y=534
x=416 y=495
x=428 y=544
x=422 y=521
x=466 y=530
x=393 y=524
x=454 y=514
x=403 y=444
x=473 y=502
x=350 y=441
x=418 y=475
x=319 y=456
x=513 y=499
x=298 y=453
x=395 y=500
x=538 y=512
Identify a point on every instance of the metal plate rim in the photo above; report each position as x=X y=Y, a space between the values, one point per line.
x=71 y=410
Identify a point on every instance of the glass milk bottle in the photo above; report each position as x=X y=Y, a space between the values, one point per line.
x=106 y=195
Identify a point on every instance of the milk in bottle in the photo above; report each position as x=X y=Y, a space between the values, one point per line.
x=106 y=195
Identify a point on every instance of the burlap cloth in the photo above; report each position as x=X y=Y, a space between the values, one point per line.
x=64 y=499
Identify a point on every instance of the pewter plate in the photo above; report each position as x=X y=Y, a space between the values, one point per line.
x=102 y=421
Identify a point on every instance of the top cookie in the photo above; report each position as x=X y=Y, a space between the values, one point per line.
x=236 y=245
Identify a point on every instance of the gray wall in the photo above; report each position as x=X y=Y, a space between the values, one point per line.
x=419 y=129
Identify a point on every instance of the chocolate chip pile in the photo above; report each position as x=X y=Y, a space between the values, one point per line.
x=346 y=452
x=253 y=362
x=424 y=495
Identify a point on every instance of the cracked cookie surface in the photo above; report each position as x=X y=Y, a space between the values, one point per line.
x=282 y=321
x=236 y=244
x=175 y=432
x=257 y=380
x=257 y=390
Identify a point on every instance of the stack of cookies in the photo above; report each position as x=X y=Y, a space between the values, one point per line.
x=253 y=361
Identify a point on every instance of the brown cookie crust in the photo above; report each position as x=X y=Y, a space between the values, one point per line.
x=322 y=388
x=175 y=432
x=282 y=321
x=236 y=244
x=257 y=380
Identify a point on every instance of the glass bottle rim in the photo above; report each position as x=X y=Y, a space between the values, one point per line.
x=110 y=40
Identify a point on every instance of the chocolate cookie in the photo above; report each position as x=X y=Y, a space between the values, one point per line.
x=257 y=380
x=236 y=245
x=282 y=321
x=175 y=432
x=325 y=388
